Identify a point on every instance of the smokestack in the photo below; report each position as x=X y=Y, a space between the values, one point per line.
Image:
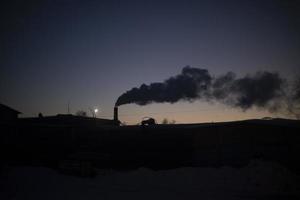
x=116 y=113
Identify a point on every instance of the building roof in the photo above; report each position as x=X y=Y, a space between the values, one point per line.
x=68 y=119
x=9 y=109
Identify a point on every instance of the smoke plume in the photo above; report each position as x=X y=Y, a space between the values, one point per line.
x=293 y=99
x=191 y=84
x=262 y=89
x=296 y=89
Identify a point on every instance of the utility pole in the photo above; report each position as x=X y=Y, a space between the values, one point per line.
x=68 y=107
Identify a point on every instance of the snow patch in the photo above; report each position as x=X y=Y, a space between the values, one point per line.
x=258 y=179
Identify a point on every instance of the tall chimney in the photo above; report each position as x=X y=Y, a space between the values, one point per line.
x=116 y=113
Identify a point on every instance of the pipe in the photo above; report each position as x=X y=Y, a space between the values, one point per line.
x=116 y=113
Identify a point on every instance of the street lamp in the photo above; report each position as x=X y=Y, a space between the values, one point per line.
x=95 y=112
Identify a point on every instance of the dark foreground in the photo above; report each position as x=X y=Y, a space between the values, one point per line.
x=254 y=158
x=257 y=180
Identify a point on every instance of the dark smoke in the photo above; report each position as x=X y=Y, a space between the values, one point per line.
x=190 y=85
x=259 y=90
x=222 y=87
x=296 y=89
x=293 y=99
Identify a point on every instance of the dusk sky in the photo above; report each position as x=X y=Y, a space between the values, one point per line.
x=90 y=52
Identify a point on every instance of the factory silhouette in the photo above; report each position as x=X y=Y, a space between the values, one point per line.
x=79 y=144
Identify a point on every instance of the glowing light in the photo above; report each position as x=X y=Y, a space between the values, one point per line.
x=96 y=110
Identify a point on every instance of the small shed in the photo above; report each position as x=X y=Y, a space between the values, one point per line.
x=7 y=113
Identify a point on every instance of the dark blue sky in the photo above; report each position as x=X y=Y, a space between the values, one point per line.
x=90 y=52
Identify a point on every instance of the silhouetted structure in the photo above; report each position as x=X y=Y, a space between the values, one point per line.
x=148 y=121
x=69 y=120
x=116 y=113
x=116 y=118
x=8 y=114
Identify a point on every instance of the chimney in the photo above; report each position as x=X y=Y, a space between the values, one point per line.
x=116 y=113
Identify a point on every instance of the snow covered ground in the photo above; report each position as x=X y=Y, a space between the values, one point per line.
x=258 y=180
